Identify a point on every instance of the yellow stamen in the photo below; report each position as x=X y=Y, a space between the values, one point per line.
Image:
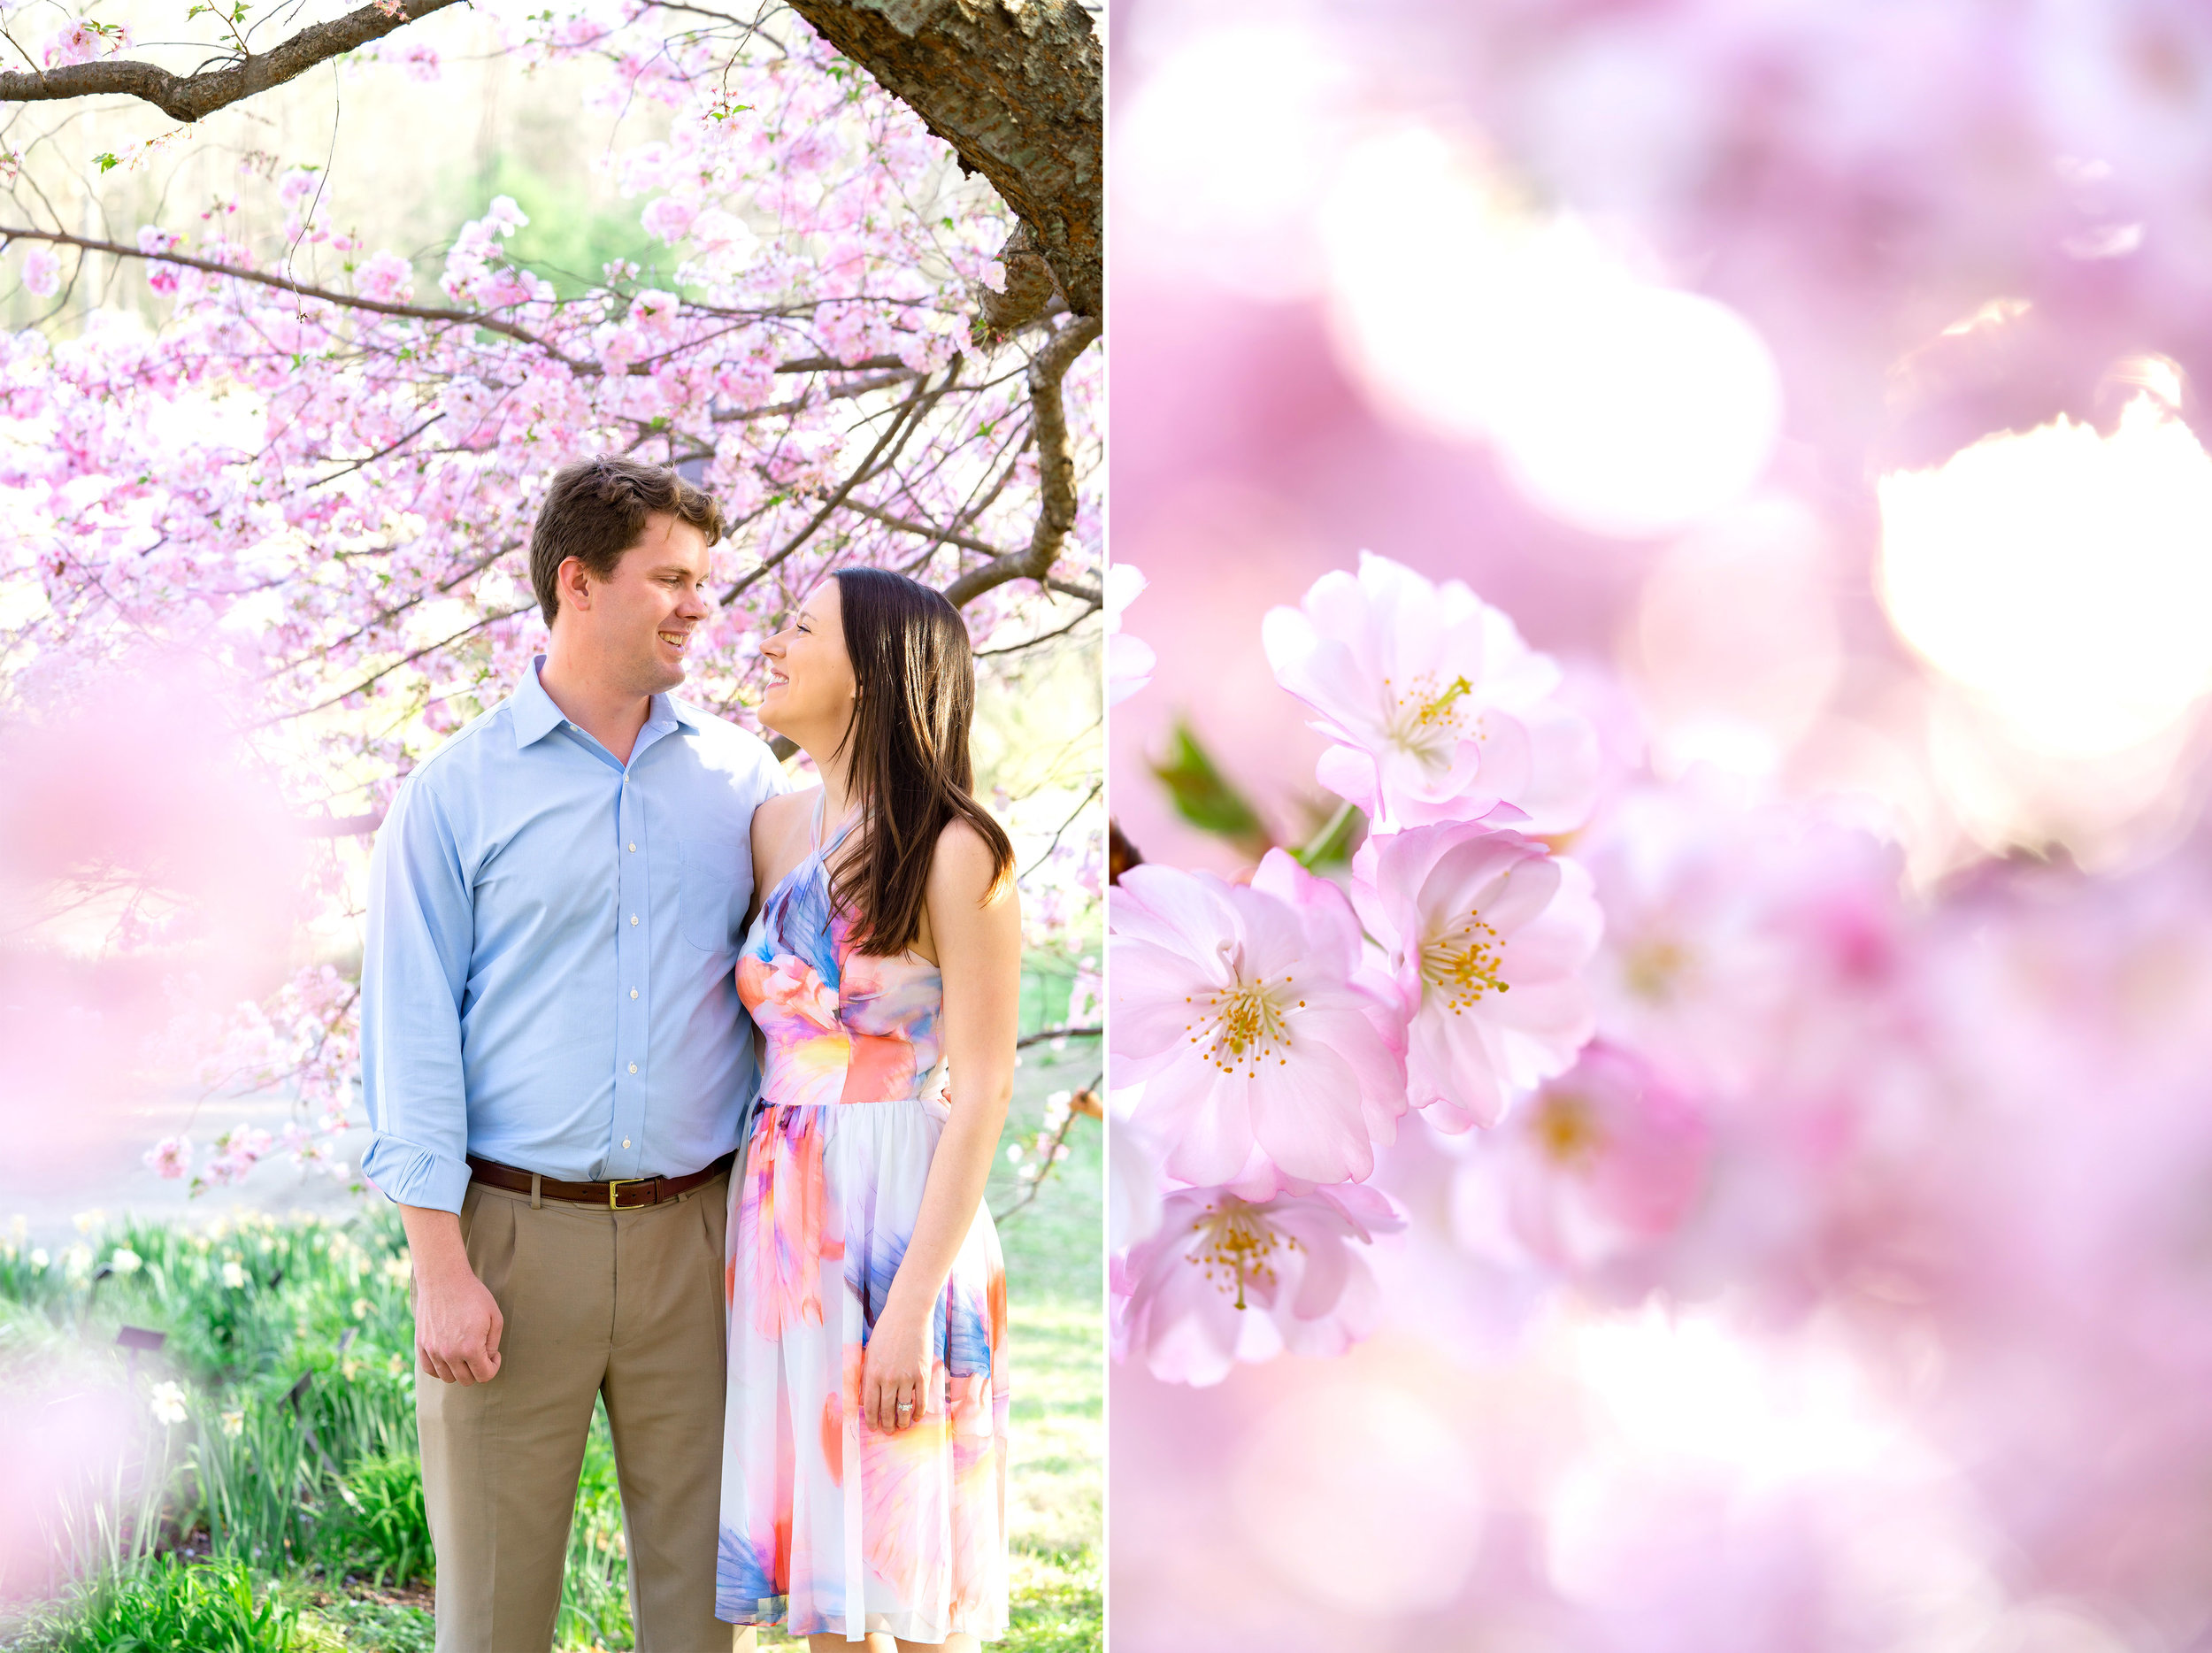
x=1241 y=1025
x=1466 y=962
x=1239 y=1242
x=1652 y=967
x=1436 y=708
x=1566 y=1126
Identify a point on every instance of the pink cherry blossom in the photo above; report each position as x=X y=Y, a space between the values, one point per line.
x=1487 y=934
x=1439 y=710
x=670 y=217
x=41 y=272
x=1724 y=918
x=1224 y=1279
x=1129 y=660
x=1133 y=1188
x=1269 y=1058
x=1601 y=1167
x=84 y=40
x=170 y=1157
x=724 y=240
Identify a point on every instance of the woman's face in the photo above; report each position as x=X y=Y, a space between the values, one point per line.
x=810 y=685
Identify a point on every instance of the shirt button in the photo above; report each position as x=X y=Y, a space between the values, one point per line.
x=625 y=1141
x=634 y=993
x=632 y=1069
x=633 y=848
x=633 y=917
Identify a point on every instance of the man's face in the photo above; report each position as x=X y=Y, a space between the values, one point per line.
x=638 y=621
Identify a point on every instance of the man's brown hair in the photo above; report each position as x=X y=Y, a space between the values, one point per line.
x=596 y=510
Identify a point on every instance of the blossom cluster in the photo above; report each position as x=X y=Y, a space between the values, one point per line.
x=1951 y=1141
x=1272 y=1035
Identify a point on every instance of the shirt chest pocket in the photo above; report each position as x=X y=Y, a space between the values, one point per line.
x=711 y=889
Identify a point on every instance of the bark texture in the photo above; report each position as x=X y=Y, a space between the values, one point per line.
x=1017 y=87
x=1055 y=471
x=188 y=97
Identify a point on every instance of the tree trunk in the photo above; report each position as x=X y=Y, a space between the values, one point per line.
x=1018 y=90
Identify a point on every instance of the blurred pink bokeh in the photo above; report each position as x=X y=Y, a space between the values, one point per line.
x=151 y=879
x=1818 y=385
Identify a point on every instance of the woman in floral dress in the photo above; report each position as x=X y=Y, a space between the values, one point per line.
x=863 y=1486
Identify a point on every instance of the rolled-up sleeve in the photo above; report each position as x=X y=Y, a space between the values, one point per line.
x=413 y=974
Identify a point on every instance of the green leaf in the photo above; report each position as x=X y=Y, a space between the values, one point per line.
x=1333 y=841
x=1207 y=798
x=108 y=163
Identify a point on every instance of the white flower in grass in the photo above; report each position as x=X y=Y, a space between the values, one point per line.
x=167 y=1401
x=233 y=1276
x=234 y=1424
x=125 y=1261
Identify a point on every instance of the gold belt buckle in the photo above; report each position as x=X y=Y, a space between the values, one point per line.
x=615 y=1185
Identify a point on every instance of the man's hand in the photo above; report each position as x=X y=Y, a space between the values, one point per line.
x=458 y=1322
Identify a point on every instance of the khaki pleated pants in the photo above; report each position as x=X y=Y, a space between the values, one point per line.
x=625 y=1303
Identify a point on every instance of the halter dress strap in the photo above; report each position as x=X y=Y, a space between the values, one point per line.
x=821 y=797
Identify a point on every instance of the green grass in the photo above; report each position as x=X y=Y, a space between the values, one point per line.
x=214 y=1608
x=363 y=1622
x=291 y=1477
x=382 y=1526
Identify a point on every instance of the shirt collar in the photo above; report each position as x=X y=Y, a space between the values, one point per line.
x=535 y=716
x=533 y=711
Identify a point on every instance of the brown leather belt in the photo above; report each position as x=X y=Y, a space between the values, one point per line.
x=622 y=1193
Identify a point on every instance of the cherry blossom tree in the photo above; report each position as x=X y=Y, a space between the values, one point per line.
x=1016 y=90
x=312 y=477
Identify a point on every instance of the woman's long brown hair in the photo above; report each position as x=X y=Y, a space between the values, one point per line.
x=907 y=747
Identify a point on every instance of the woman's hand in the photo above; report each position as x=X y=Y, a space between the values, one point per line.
x=900 y=1358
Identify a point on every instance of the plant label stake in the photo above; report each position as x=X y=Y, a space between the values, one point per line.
x=134 y=1338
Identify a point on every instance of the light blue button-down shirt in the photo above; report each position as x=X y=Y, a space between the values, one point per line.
x=552 y=938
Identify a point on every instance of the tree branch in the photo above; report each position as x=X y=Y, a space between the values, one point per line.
x=922 y=530
x=421 y=312
x=1018 y=90
x=188 y=97
x=1056 y=469
x=910 y=412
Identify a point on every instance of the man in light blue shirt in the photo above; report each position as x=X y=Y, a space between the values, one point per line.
x=558 y=1070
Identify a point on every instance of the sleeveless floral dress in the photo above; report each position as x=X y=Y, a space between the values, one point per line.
x=829 y=1524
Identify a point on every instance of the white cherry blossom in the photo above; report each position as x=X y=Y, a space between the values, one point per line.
x=1439 y=710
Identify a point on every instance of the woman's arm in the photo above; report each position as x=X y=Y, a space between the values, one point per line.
x=979 y=950
x=777 y=834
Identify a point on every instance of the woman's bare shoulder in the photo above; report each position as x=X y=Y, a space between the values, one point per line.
x=784 y=812
x=965 y=865
x=779 y=832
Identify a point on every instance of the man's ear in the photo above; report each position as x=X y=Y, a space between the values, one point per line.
x=574 y=583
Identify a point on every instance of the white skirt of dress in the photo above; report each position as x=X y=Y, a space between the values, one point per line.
x=829 y=1524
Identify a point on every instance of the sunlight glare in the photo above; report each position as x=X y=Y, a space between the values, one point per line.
x=1625 y=407
x=1264 y=104
x=2061 y=576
